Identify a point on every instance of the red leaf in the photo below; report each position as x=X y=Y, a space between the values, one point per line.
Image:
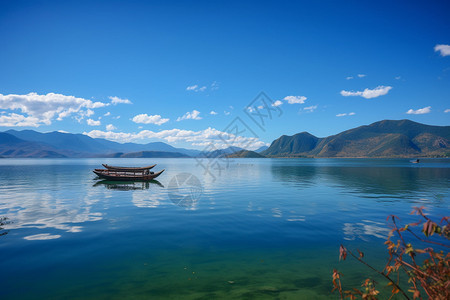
x=418 y=210
x=416 y=223
x=428 y=228
x=342 y=253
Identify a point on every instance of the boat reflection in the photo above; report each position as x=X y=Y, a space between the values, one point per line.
x=128 y=185
x=3 y=221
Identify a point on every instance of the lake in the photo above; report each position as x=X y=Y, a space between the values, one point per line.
x=241 y=229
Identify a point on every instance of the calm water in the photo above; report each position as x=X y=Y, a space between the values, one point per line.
x=261 y=229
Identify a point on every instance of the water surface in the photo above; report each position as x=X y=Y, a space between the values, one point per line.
x=253 y=229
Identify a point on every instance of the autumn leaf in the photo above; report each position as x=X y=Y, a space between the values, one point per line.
x=342 y=253
x=418 y=210
x=409 y=249
x=392 y=217
x=416 y=223
x=428 y=228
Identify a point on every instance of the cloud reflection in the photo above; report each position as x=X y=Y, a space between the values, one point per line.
x=42 y=236
x=45 y=210
x=362 y=230
x=145 y=199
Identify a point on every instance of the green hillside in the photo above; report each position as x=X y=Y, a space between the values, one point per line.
x=388 y=138
x=245 y=154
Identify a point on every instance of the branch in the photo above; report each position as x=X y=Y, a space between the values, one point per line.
x=381 y=273
x=418 y=271
x=425 y=241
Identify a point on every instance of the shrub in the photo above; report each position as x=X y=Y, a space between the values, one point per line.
x=427 y=270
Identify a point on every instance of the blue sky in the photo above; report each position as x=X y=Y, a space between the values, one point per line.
x=145 y=71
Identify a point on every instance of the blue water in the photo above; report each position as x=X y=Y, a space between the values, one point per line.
x=250 y=229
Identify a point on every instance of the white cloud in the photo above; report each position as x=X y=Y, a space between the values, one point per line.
x=116 y=100
x=447 y=110
x=196 y=88
x=146 y=119
x=227 y=113
x=16 y=120
x=107 y=114
x=214 y=86
x=345 y=114
x=89 y=112
x=398 y=77
x=213 y=113
x=192 y=87
x=443 y=49
x=277 y=103
x=194 y=115
x=110 y=127
x=419 y=111
x=91 y=122
x=204 y=137
x=368 y=93
x=43 y=109
x=295 y=99
x=310 y=108
x=358 y=75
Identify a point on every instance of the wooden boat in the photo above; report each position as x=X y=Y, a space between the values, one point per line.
x=125 y=175
x=128 y=169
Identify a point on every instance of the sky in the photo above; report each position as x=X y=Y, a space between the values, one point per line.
x=196 y=74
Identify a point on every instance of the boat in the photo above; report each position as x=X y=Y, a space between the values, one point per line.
x=128 y=169
x=415 y=161
x=126 y=175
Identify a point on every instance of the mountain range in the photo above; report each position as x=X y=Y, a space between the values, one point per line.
x=388 y=138
x=29 y=143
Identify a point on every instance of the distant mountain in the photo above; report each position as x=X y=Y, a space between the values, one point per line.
x=388 y=138
x=301 y=143
x=222 y=152
x=150 y=154
x=11 y=146
x=80 y=145
x=245 y=154
x=261 y=149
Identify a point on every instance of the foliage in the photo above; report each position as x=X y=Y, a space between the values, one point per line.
x=429 y=277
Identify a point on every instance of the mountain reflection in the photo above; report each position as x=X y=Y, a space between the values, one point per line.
x=301 y=175
x=389 y=181
x=379 y=181
x=128 y=185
